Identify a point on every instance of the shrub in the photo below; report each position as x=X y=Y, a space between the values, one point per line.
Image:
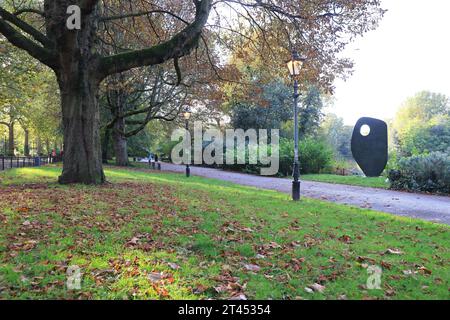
x=315 y=156
x=427 y=172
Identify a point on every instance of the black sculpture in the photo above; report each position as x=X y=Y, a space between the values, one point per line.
x=370 y=146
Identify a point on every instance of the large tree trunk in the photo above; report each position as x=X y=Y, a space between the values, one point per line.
x=82 y=161
x=26 y=143
x=78 y=81
x=120 y=143
x=11 y=140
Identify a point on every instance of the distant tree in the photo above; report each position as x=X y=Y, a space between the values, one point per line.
x=274 y=108
x=310 y=113
x=337 y=135
x=133 y=100
x=432 y=136
x=28 y=98
x=421 y=124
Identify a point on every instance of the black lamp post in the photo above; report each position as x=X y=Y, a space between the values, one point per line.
x=187 y=116
x=295 y=66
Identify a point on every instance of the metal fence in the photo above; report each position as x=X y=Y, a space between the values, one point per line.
x=22 y=162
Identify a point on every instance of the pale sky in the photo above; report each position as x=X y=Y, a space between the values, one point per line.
x=409 y=52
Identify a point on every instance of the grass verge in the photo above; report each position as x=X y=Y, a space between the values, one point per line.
x=379 y=182
x=148 y=235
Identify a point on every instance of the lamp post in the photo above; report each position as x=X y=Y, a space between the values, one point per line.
x=295 y=66
x=187 y=116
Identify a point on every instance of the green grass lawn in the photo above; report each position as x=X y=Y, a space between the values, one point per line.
x=379 y=182
x=148 y=235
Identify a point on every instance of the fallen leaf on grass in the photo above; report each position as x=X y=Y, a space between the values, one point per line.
x=174 y=266
x=252 y=267
x=199 y=289
x=393 y=251
x=364 y=259
x=424 y=270
x=238 y=297
x=316 y=288
x=134 y=241
x=345 y=238
x=309 y=290
x=155 y=277
x=390 y=292
x=386 y=265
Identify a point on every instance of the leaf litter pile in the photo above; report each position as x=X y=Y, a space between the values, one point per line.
x=162 y=240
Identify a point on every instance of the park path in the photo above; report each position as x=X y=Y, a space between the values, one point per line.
x=427 y=207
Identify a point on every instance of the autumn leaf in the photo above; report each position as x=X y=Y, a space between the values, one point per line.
x=317 y=287
x=252 y=267
x=173 y=266
x=393 y=251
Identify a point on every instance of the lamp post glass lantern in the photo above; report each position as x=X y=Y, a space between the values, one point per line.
x=295 y=65
x=187 y=115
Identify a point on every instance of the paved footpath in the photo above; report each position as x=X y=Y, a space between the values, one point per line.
x=422 y=206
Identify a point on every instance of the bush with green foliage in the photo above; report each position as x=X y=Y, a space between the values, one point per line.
x=431 y=136
x=428 y=173
x=315 y=156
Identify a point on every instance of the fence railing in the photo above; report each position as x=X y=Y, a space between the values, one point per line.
x=22 y=162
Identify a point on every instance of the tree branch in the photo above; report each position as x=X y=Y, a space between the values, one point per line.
x=29 y=10
x=139 y=14
x=38 y=36
x=42 y=54
x=180 y=45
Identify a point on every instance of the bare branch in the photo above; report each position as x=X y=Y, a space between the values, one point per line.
x=42 y=54
x=38 y=36
x=29 y=10
x=180 y=45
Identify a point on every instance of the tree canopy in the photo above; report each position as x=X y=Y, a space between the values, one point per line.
x=153 y=33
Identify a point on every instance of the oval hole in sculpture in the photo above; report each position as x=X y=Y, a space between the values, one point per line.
x=365 y=130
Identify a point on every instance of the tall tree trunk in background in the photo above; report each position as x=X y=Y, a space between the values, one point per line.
x=105 y=145
x=47 y=146
x=38 y=146
x=120 y=143
x=11 y=144
x=26 y=143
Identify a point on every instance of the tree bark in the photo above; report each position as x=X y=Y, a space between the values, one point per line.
x=105 y=145
x=11 y=140
x=82 y=161
x=120 y=143
x=38 y=146
x=78 y=80
x=26 y=144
